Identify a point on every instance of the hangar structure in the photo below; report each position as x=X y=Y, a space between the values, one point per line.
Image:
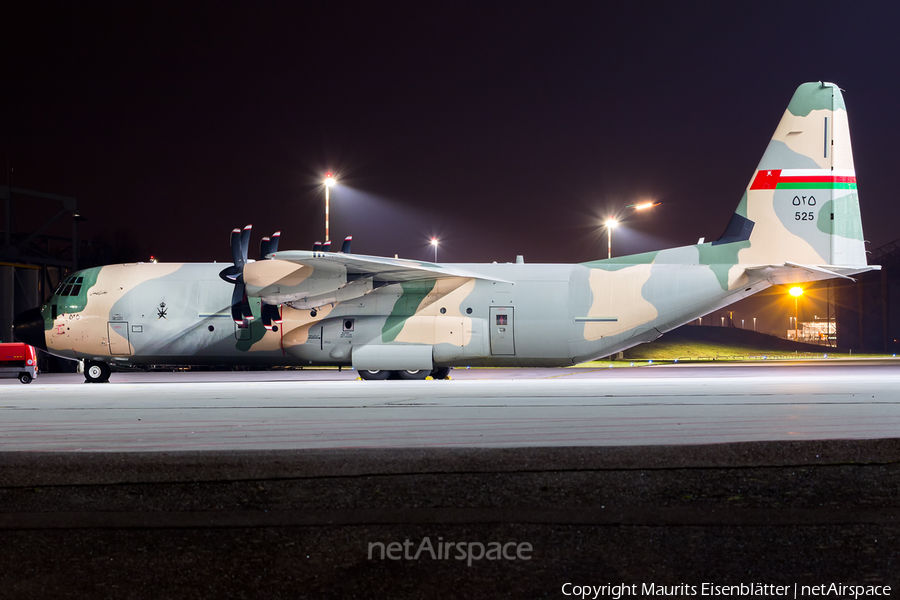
x=868 y=311
x=32 y=263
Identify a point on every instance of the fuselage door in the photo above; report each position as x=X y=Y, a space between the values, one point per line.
x=118 y=338
x=502 y=339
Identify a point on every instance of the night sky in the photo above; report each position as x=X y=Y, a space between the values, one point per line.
x=503 y=128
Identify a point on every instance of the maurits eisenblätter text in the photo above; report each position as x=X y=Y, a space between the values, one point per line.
x=794 y=590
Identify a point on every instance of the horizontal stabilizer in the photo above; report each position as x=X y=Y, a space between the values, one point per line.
x=790 y=272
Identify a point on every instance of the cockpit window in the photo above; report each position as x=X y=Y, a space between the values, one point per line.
x=70 y=287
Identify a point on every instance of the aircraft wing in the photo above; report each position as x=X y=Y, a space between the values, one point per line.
x=379 y=268
x=312 y=279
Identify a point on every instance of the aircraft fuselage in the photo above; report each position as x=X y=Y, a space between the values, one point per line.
x=519 y=315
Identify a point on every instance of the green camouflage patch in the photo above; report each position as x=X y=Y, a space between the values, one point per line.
x=414 y=292
x=813 y=96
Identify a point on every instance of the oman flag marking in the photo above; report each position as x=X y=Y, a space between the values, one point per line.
x=804 y=179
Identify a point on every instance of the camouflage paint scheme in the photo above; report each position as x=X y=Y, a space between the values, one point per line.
x=798 y=221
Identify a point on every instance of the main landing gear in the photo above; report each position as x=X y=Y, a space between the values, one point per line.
x=96 y=372
x=440 y=373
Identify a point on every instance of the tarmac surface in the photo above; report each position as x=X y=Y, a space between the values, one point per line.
x=186 y=411
x=314 y=514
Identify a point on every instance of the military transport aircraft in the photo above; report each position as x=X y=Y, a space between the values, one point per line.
x=798 y=220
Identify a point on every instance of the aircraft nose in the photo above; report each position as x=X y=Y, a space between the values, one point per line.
x=28 y=327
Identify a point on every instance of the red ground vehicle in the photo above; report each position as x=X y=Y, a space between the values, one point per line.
x=18 y=360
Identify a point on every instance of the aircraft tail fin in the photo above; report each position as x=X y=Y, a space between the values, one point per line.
x=802 y=204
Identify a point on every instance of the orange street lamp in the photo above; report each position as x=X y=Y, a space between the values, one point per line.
x=643 y=205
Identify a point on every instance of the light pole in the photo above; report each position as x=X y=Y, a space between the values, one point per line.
x=796 y=292
x=329 y=182
x=434 y=243
x=610 y=224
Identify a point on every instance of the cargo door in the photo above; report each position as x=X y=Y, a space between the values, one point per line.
x=502 y=327
x=119 y=344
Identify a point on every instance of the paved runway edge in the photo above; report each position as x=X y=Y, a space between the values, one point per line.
x=34 y=469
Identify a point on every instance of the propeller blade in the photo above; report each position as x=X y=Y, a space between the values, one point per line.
x=236 y=248
x=317 y=247
x=230 y=274
x=240 y=308
x=345 y=248
x=270 y=315
x=245 y=308
x=266 y=317
x=326 y=246
x=237 y=297
x=273 y=244
x=264 y=245
x=245 y=243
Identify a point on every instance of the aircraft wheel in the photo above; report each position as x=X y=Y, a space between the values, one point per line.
x=25 y=377
x=416 y=374
x=374 y=375
x=440 y=373
x=96 y=372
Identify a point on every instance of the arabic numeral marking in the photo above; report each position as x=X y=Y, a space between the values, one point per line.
x=804 y=201
x=804 y=216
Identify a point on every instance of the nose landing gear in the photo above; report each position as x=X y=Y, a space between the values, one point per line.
x=96 y=372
